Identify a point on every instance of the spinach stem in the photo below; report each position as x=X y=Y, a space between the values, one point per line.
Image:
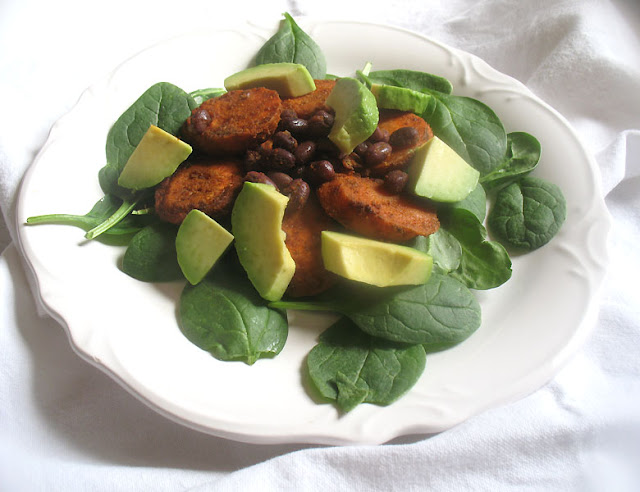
x=124 y=210
x=55 y=218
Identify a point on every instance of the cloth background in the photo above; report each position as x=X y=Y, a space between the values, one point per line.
x=64 y=425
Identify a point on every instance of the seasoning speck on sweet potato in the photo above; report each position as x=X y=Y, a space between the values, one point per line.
x=233 y=122
x=364 y=206
x=210 y=186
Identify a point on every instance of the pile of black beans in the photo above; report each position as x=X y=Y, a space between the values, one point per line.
x=300 y=157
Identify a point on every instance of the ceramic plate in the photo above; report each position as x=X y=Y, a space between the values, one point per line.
x=128 y=328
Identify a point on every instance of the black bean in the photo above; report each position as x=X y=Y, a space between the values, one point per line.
x=285 y=140
x=326 y=146
x=377 y=153
x=298 y=192
x=281 y=160
x=297 y=126
x=258 y=177
x=304 y=152
x=280 y=179
x=361 y=148
x=321 y=171
x=200 y=120
x=406 y=136
x=320 y=123
x=288 y=114
x=379 y=135
x=395 y=181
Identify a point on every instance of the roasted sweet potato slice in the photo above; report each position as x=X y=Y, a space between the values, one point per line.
x=303 y=230
x=391 y=121
x=210 y=186
x=364 y=206
x=233 y=122
x=306 y=105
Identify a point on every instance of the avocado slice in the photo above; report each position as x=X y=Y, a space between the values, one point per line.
x=256 y=224
x=374 y=262
x=157 y=156
x=200 y=242
x=356 y=113
x=400 y=98
x=437 y=172
x=287 y=79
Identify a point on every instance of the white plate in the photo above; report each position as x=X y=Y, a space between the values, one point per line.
x=128 y=328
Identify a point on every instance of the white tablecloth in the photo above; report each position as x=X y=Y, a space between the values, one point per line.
x=64 y=425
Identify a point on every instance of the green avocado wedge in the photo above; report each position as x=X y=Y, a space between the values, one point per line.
x=287 y=79
x=256 y=224
x=356 y=114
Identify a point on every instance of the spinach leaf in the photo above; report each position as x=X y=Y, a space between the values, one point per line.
x=291 y=44
x=151 y=254
x=523 y=154
x=484 y=264
x=163 y=105
x=444 y=248
x=411 y=79
x=225 y=316
x=527 y=214
x=351 y=367
x=438 y=314
x=101 y=211
x=475 y=202
x=201 y=95
x=469 y=127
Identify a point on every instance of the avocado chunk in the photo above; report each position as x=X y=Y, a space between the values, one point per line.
x=157 y=156
x=200 y=242
x=287 y=79
x=374 y=262
x=256 y=224
x=356 y=113
x=438 y=173
x=400 y=98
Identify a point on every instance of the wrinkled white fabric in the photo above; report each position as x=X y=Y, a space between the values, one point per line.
x=64 y=425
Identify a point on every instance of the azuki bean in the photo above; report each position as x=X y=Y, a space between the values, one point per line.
x=395 y=181
x=258 y=177
x=377 y=153
x=281 y=160
x=298 y=192
x=304 y=152
x=284 y=140
x=406 y=136
x=280 y=179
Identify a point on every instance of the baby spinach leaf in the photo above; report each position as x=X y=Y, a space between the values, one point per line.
x=444 y=248
x=151 y=254
x=101 y=211
x=484 y=264
x=411 y=79
x=291 y=44
x=527 y=214
x=523 y=154
x=163 y=105
x=475 y=202
x=469 y=127
x=225 y=316
x=439 y=314
x=351 y=367
x=201 y=95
